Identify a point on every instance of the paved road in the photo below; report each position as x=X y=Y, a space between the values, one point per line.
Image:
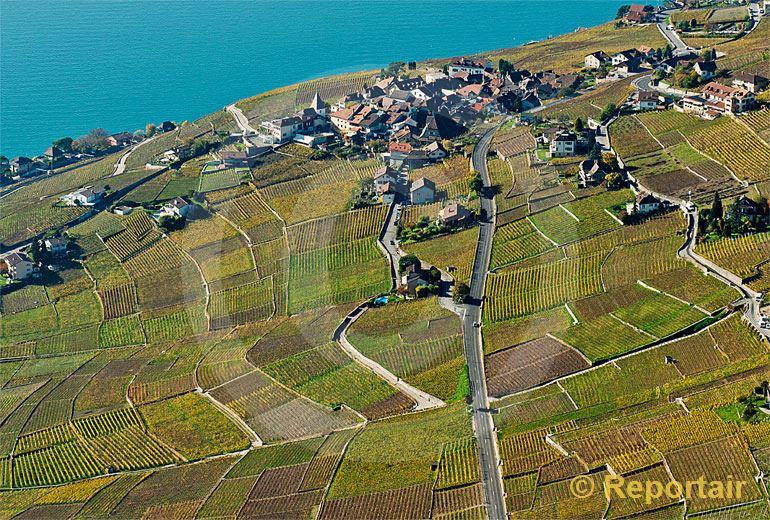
x=388 y=242
x=756 y=16
x=482 y=418
x=687 y=252
x=120 y=166
x=424 y=400
x=645 y=83
x=671 y=36
x=241 y=120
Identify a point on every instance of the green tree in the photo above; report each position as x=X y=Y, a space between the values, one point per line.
x=727 y=230
x=150 y=130
x=717 y=210
x=614 y=180
x=93 y=141
x=610 y=161
x=475 y=182
x=64 y=144
x=579 y=126
x=393 y=69
x=596 y=152
x=505 y=66
x=36 y=252
x=608 y=111
x=460 y=292
x=406 y=261
x=708 y=54
x=171 y=223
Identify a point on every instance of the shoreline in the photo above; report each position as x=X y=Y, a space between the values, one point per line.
x=425 y=58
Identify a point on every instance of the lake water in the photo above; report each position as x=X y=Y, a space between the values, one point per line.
x=69 y=66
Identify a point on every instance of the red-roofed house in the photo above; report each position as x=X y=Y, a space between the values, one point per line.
x=637 y=14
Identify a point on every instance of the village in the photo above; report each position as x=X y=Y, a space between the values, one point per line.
x=441 y=289
x=409 y=121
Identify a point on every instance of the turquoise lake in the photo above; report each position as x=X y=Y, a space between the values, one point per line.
x=67 y=66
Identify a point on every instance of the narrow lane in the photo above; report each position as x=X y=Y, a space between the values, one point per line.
x=483 y=424
x=680 y=47
x=241 y=120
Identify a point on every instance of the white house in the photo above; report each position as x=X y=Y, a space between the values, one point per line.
x=564 y=144
x=383 y=176
x=19 y=267
x=175 y=208
x=56 y=246
x=430 y=77
x=590 y=173
x=423 y=191
x=435 y=151
x=468 y=65
x=705 y=69
x=21 y=165
x=750 y=82
x=283 y=129
x=728 y=99
x=644 y=205
x=319 y=105
x=87 y=196
x=413 y=277
x=596 y=59
x=647 y=100
x=390 y=191
x=454 y=214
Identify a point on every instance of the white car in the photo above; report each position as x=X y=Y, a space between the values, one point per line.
x=759 y=298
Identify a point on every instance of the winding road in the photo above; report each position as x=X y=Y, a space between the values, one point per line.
x=424 y=400
x=387 y=242
x=483 y=425
x=752 y=313
x=241 y=120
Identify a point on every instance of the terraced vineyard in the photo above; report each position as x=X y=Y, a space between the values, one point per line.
x=202 y=372
x=531 y=289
